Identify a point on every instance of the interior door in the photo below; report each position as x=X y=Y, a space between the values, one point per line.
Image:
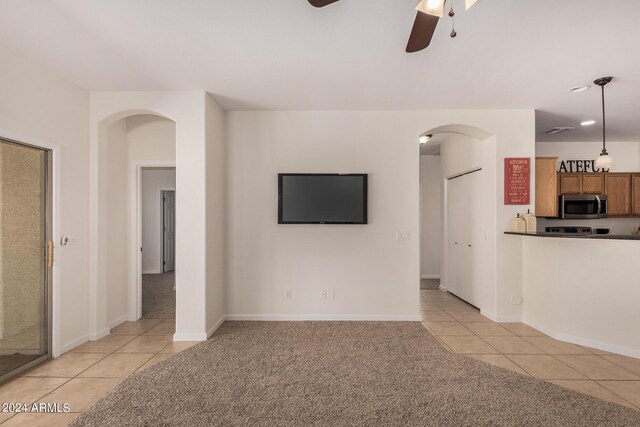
x=455 y=232
x=463 y=229
x=25 y=251
x=169 y=230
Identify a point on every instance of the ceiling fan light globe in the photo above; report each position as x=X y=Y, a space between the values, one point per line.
x=469 y=3
x=431 y=7
x=604 y=161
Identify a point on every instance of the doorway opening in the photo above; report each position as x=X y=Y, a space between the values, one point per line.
x=431 y=214
x=457 y=221
x=26 y=257
x=157 y=220
x=128 y=144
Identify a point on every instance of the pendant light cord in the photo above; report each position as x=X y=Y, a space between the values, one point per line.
x=604 y=125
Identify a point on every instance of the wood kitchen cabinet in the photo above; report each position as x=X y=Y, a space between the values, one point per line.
x=581 y=183
x=546 y=187
x=593 y=183
x=618 y=191
x=621 y=189
x=635 y=197
x=570 y=183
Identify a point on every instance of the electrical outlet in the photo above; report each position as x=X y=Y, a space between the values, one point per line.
x=288 y=294
x=329 y=294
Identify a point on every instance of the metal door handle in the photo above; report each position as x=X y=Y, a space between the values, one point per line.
x=599 y=206
x=50 y=253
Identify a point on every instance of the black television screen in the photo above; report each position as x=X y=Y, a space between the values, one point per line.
x=322 y=198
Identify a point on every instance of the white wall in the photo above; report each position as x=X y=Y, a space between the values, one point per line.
x=154 y=180
x=627 y=159
x=374 y=275
x=114 y=211
x=461 y=154
x=431 y=205
x=38 y=107
x=188 y=109
x=583 y=291
x=215 y=211
x=150 y=137
x=626 y=155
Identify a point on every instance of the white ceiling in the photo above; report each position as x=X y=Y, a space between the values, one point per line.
x=287 y=55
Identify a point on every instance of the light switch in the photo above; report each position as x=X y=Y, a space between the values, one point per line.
x=403 y=236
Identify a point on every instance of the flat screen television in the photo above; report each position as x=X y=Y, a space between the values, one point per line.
x=322 y=198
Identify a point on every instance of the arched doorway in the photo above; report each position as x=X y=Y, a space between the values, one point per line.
x=457 y=212
x=130 y=145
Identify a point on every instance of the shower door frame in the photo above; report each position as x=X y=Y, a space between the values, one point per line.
x=48 y=257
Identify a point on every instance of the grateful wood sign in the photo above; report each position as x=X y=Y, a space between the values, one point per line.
x=580 y=166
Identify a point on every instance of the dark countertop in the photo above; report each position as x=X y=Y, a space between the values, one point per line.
x=579 y=236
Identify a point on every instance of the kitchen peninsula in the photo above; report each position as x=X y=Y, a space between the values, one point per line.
x=583 y=290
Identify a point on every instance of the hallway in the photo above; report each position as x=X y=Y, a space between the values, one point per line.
x=159 y=296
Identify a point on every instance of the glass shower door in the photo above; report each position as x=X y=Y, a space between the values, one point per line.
x=24 y=254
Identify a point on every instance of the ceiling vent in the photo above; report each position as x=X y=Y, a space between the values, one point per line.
x=559 y=129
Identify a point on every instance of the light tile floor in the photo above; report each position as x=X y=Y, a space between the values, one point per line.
x=515 y=346
x=87 y=373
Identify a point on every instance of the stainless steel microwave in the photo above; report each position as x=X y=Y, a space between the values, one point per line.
x=586 y=206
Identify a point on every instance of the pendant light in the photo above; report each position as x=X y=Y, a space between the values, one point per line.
x=604 y=161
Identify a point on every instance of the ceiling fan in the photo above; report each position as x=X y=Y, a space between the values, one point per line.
x=429 y=12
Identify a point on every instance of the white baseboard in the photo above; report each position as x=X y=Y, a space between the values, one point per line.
x=117 y=322
x=501 y=319
x=443 y=288
x=613 y=348
x=215 y=326
x=324 y=317
x=151 y=271
x=190 y=337
x=430 y=276
x=100 y=334
x=199 y=336
x=71 y=345
x=12 y=351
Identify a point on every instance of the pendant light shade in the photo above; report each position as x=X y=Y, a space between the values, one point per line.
x=431 y=7
x=604 y=161
x=469 y=3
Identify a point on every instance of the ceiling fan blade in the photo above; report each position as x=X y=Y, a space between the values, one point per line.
x=423 y=28
x=321 y=3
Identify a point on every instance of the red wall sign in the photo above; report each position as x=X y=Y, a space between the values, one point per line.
x=517 y=189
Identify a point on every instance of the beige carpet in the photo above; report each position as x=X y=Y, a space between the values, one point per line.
x=158 y=296
x=339 y=374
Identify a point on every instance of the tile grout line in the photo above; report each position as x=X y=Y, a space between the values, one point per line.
x=599 y=357
x=615 y=394
x=590 y=353
x=69 y=379
x=105 y=355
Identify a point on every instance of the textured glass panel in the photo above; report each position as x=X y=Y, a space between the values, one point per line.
x=23 y=268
